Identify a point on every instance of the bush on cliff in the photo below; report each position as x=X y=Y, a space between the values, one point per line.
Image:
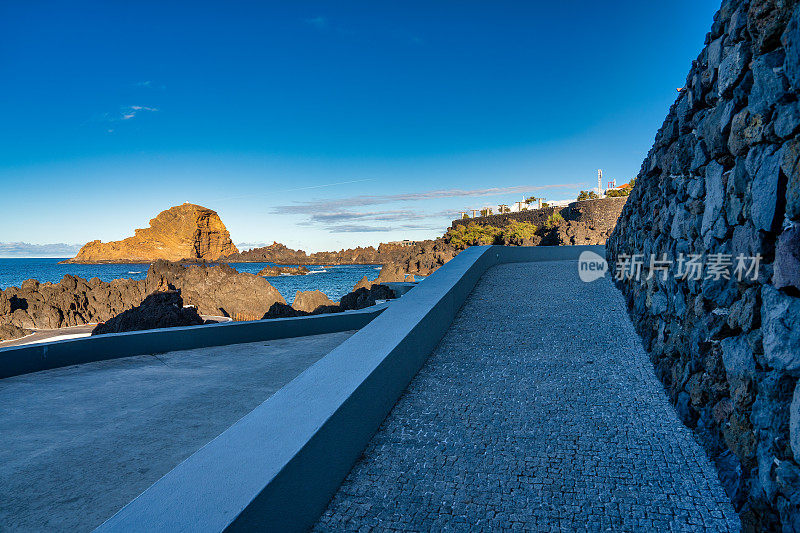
x=625 y=190
x=515 y=233
x=518 y=233
x=472 y=234
x=554 y=220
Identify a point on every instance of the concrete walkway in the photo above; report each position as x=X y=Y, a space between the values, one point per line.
x=78 y=443
x=538 y=411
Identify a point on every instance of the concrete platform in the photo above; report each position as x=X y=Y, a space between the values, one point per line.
x=78 y=443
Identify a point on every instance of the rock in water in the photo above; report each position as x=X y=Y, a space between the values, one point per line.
x=159 y=310
x=282 y=310
x=363 y=297
x=217 y=290
x=312 y=302
x=185 y=231
x=390 y=272
x=283 y=270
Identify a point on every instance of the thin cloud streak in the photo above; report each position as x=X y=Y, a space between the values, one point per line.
x=316 y=206
x=131 y=111
x=336 y=215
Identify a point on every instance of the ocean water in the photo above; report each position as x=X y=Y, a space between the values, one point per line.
x=334 y=281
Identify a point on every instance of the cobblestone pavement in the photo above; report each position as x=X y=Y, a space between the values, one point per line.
x=538 y=411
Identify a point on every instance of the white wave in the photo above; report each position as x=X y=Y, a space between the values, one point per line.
x=316 y=271
x=135 y=272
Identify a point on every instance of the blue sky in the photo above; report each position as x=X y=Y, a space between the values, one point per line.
x=324 y=124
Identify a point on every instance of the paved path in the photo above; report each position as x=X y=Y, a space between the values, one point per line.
x=538 y=411
x=78 y=443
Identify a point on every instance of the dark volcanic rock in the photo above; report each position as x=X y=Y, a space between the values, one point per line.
x=389 y=273
x=361 y=298
x=420 y=258
x=283 y=271
x=282 y=310
x=159 y=310
x=787 y=259
x=9 y=331
x=71 y=302
x=215 y=290
x=313 y=302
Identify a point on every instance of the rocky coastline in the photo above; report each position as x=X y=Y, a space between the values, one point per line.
x=203 y=279
x=212 y=290
x=172 y=294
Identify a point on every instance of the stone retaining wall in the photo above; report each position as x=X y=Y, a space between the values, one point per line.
x=534 y=216
x=723 y=177
x=602 y=212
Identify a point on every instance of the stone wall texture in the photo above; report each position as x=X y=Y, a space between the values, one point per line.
x=586 y=222
x=534 y=216
x=723 y=177
x=601 y=212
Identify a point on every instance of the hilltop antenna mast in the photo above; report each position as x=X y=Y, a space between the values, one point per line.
x=599 y=182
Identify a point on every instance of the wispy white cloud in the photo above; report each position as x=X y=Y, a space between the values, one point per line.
x=131 y=111
x=125 y=113
x=328 y=205
x=341 y=215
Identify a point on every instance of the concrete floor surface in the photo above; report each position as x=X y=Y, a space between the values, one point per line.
x=78 y=443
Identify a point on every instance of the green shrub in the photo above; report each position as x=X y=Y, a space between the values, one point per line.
x=554 y=220
x=625 y=191
x=472 y=234
x=515 y=233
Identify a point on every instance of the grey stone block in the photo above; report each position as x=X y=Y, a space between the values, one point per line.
x=780 y=317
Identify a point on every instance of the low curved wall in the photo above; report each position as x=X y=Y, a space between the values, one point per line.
x=25 y=359
x=278 y=466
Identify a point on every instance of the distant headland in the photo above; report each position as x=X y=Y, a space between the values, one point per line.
x=184 y=232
